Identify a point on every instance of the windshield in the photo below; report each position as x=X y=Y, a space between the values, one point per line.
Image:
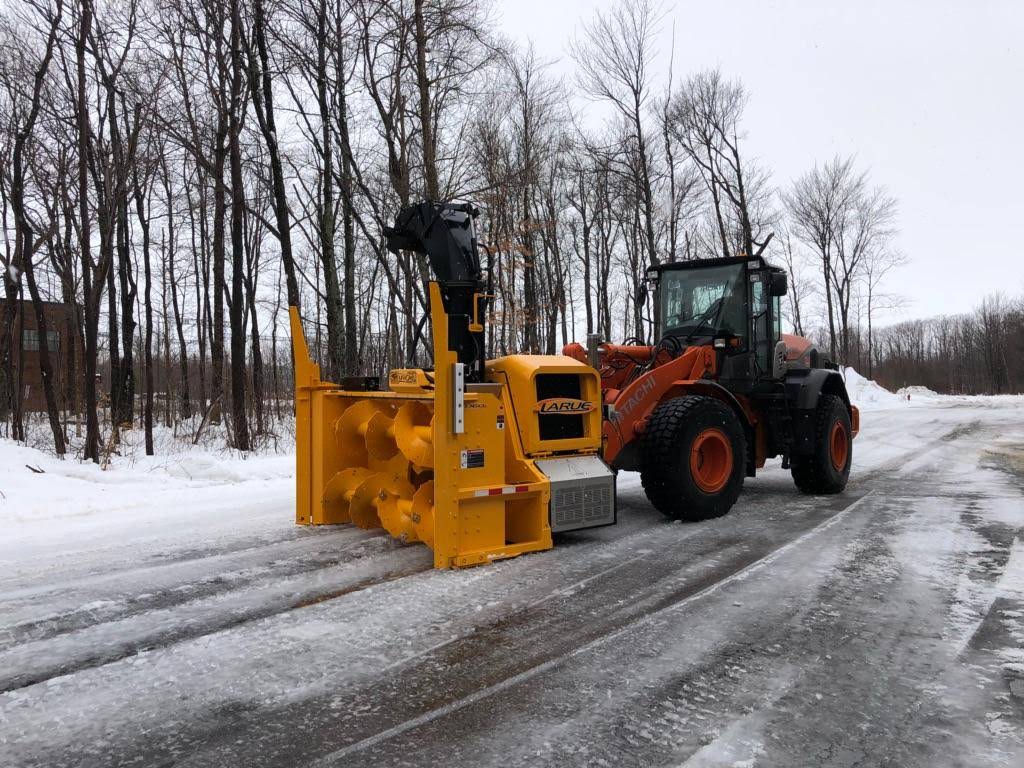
x=703 y=301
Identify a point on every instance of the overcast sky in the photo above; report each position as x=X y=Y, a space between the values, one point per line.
x=928 y=94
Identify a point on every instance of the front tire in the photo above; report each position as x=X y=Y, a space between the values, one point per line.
x=827 y=468
x=693 y=458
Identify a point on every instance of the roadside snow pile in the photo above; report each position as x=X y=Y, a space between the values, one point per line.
x=78 y=516
x=227 y=467
x=176 y=454
x=36 y=486
x=917 y=391
x=865 y=393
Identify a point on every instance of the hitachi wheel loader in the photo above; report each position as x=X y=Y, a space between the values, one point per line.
x=484 y=459
x=722 y=391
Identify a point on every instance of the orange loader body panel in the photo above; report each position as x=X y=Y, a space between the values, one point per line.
x=632 y=398
x=632 y=405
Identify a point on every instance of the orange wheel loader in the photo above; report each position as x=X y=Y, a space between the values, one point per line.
x=721 y=391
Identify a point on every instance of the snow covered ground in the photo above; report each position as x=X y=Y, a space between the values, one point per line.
x=167 y=612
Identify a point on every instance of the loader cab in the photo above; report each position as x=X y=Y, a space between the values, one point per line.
x=732 y=304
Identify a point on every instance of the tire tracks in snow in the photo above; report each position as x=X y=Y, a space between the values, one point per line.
x=642 y=586
x=127 y=592
x=538 y=638
x=67 y=651
x=673 y=601
x=298 y=540
x=645 y=604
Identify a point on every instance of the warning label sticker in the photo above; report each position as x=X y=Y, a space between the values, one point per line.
x=472 y=458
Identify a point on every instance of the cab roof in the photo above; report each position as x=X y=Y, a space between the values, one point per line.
x=757 y=262
x=701 y=263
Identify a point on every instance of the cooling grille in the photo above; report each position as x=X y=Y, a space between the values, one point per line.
x=582 y=506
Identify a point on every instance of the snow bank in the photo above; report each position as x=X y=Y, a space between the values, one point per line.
x=867 y=394
x=917 y=391
x=181 y=499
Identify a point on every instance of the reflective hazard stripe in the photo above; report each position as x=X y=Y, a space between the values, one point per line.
x=502 y=491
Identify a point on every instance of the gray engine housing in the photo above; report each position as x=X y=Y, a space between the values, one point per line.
x=582 y=492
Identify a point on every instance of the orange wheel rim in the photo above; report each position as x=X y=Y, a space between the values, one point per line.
x=711 y=460
x=838 y=446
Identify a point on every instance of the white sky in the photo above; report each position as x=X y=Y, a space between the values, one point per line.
x=928 y=94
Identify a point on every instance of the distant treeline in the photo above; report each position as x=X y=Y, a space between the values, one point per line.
x=974 y=354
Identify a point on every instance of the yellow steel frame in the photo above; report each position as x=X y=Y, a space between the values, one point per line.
x=484 y=510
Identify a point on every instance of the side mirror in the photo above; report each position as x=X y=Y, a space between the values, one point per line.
x=779 y=284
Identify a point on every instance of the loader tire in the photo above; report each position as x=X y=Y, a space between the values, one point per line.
x=693 y=458
x=827 y=468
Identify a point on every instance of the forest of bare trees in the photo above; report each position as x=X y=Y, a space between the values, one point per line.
x=972 y=354
x=179 y=172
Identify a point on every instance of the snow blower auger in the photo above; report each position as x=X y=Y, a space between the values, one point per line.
x=479 y=460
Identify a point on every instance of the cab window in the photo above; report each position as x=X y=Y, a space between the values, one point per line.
x=705 y=299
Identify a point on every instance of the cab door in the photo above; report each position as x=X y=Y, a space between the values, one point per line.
x=762 y=324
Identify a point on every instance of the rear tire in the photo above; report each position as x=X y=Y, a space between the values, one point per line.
x=827 y=469
x=693 y=458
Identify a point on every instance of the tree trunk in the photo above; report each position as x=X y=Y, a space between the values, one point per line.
x=166 y=322
x=91 y=451
x=871 y=340
x=335 y=311
x=147 y=298
x=200 y=263
x=423 y=86
x=218 y=256
x=113 y=337
x=129 y=291
x=239 y=421
x=257 y=353
x=45 y=361
x=646 y=193
x=13 y=343
x=169 y=260
x=826 y=264
x=352 y=365
x=268 y=125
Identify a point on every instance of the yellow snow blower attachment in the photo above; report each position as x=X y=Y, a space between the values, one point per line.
x=479 y=460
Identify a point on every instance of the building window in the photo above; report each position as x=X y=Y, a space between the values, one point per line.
x=30 y=341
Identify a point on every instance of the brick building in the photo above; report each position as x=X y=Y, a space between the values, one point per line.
x=63 y=350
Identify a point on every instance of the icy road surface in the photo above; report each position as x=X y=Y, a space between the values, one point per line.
x=169 y=613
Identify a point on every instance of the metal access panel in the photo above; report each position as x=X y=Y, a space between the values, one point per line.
x=582 y=492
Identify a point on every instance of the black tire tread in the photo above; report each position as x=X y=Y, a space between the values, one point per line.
x=660 y=475
x=812 y=474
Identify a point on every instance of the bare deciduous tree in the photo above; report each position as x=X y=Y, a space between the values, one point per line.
x=835 y=211
x=613 y=57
